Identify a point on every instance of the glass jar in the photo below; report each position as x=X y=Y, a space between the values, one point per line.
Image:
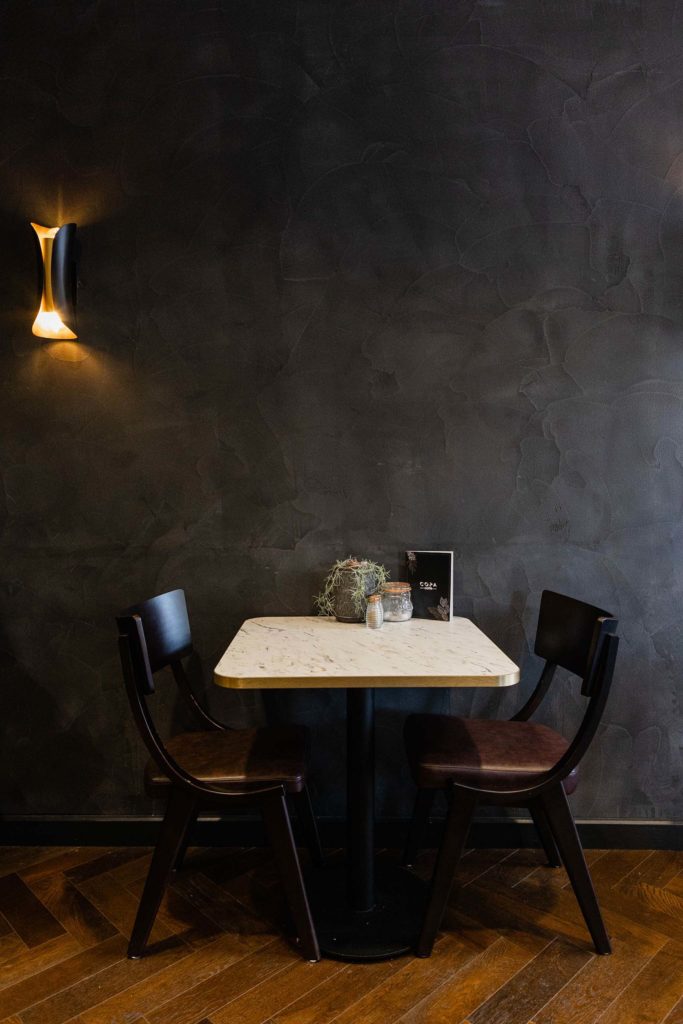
x=396 y=602
x=374 y=614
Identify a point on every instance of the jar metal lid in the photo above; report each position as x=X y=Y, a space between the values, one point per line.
x=373 y=597
x=396 y=588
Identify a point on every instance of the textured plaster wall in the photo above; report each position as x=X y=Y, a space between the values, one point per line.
x=355 y=276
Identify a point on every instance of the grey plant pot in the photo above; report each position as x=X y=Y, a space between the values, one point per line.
x=344 y=606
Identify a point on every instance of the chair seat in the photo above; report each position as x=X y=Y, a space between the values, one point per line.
x=239 y=756
x=482 y=752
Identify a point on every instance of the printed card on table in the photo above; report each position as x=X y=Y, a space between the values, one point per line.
x=430 y=574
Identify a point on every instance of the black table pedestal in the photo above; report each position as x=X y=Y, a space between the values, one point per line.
x=389 y=929
x=360 y=798
x=362 y=911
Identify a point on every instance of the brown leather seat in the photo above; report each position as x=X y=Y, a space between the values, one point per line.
x=271 y=754
x=443 y=749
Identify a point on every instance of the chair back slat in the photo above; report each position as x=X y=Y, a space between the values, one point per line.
x=569 y=631
x=134 y=654
x=598 y=674
x=165 y=628
x=138 y=677
x=603 y=673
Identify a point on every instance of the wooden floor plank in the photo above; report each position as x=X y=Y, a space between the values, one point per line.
x=660 y=868
x=520 y=998
x=675 y=885
x=252 y=881
x=223 y=870
x=134 y=1018
x=477 y=933
x=180 y=916
x=117 y=904
x=676 y=1015
x=68 y=905
x=219 y=906
x=610 y=869
x=105 y=862
x=27 y=962
x=507 y=913
x=653 y=992
x=209 y=996
x=473 y=864
x=61 y=860
x=279 y=991
x=563 y=906
x=412 y=983
x=14 y=859
x=327 y=1001
x=91 y=990
x=173 y=980
x=37 y=987
x=595 y=987
x=513 y=868
x=557 y=878
x=132 y=870
x=643 y=912
x=30 y=919
x=471 y=986
x=11 y=946
x=257 y=889
x=659 y=899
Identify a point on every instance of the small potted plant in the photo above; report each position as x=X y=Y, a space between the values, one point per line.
x=347 y=587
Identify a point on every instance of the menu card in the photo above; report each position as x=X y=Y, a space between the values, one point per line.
x=430 y=574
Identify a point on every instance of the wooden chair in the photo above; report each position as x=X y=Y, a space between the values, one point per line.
x=517 y=762
x=217 y=768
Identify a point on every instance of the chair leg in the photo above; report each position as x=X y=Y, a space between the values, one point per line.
x=180 y=859
x=560 y=820
x=279 y=830
x=180 y=812
x=424 y=800
x=460 y=812
x=545 y=834
x=309 y=826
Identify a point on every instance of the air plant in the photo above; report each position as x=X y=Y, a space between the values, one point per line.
x=358 y=578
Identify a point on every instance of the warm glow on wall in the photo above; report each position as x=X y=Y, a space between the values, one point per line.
x=56 y=316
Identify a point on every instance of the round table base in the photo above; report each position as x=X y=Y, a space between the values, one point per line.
x=390 y=929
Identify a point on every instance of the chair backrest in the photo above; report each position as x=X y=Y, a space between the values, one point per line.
x=570 y=634
x=155 y=634
x=152 y=635
x=582 y=639
x=600 y=672
x=158 y=632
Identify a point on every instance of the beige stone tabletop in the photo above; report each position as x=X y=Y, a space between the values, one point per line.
x=288 y=652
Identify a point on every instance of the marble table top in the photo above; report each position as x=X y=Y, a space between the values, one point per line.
x=287 y=652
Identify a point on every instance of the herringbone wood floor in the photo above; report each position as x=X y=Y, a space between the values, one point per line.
x=513 y=951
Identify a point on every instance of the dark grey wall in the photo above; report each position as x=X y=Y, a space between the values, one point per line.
x=355 y=277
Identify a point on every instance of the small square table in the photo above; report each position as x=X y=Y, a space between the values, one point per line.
x=369 y=917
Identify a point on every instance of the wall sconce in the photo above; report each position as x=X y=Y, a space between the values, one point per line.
x=57 y=314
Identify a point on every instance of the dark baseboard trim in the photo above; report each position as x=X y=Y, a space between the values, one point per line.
x=505 y=833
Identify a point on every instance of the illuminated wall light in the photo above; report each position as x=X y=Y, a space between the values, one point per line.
x=57 y=314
